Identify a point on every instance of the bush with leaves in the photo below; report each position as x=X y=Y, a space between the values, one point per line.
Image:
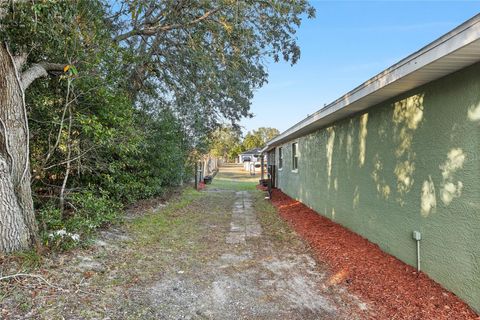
x=142 y=86
x=89 y=211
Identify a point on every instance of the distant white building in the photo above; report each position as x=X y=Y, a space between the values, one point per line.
x=253 y=155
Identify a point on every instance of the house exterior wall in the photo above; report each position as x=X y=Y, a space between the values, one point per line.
x=411 y=163
x=252 y=157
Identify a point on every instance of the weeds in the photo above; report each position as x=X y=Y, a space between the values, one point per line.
x=30 y=259
x=271 y=223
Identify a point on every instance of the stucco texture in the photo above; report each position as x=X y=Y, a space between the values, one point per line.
x=410 y=163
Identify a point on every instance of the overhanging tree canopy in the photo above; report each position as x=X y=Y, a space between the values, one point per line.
x=199 y=61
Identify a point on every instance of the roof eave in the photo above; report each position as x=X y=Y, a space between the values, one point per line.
x=449 y=53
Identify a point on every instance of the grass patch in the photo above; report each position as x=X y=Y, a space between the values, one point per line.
x=29 y=260
x=151 y=228
x=229 y=184
x=176 y=237
x=273 y=225
x=234 y=178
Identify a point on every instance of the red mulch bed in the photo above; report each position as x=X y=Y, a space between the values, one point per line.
x=262 y=188
x=393 y=288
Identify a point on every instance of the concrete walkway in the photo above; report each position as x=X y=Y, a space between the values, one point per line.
x=244 y=223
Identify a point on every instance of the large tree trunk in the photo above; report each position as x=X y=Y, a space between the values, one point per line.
x=18 y=227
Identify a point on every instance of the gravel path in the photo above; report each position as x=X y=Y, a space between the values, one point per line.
x=255 y=275
x=222 y=253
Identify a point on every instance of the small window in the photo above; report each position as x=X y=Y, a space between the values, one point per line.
x=294 y=156
x=280 y=158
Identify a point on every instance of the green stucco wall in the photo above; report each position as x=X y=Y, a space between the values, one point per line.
x=411 y=163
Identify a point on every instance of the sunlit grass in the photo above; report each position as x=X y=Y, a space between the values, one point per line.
x=153 y=227
x=233 y=177
x=273 y=225
x=230 y=184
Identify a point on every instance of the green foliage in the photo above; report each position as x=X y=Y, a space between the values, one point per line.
x=30 y=259
x=90 y=211
x=258 y=138
x=155 y=159
x=252 y=141
x=145 y=89
x=235 y=151
x=93 y=211
x=53 y=228
x=50 y=217
x=226 y=143
x=205 y=59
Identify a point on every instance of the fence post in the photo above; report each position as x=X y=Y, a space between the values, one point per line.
x=196 y=175
x=262 y=164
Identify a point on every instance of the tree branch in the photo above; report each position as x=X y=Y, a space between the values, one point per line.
x=39 y=70
x=36 y=276
x=150 y=31
x=20 y=60
x=71 y=160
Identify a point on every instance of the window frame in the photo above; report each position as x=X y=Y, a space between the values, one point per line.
x=280 y=158
x=295 y=156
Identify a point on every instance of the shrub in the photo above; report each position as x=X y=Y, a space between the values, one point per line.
x=92 y=211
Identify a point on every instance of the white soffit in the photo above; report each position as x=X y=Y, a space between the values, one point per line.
x=453 y=51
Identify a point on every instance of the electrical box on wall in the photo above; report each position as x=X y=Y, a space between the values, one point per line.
x=417 y=235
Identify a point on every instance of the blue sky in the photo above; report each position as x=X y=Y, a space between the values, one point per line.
x=348 y=43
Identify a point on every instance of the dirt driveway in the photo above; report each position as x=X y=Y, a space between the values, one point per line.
x=222 y=253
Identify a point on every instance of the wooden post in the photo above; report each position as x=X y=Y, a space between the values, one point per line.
x=196 y=175
x=262 y=164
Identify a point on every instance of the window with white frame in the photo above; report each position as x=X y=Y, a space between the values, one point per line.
x=280 y=158
x=295 y=156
